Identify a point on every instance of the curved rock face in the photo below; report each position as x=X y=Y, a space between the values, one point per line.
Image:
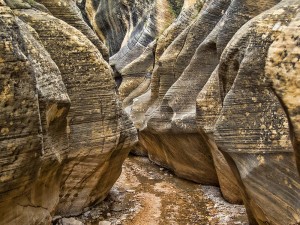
x=70 y=13
x=213 y=93
x=282 y=68
x=255 y=122
x=114 y=20
x=150 y=25
x=127 y=27
x=194 y=156
x=220 y=105
x=64 y=135
x=141 y=68
x=179 y=75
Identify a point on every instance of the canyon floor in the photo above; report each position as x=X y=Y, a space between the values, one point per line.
x=146 y=194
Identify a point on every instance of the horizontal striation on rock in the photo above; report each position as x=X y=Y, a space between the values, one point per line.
x=252 y=130
x=206 y=58
x=64 y=134
x=164 y=73
x=209 y=85
x=94 y=118
x=149 y=27
x=174 y=109
x=140 y=70
x=136 y=73
x=127 y=27
x=33 y=96
x=70 y=13
x=114 y=20
x=166 y=147
x=178 y=54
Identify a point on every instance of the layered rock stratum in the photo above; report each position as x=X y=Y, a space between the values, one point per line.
x=216 y=99
x=64 y=134
x=212 y=87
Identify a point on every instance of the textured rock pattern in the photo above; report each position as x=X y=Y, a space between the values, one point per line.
x=113 y=21
x=134 y=74
x=151 y=23
x=21 y=134
x=64 y=135
x=172 y=105
x=283 y=69
x=214 y=94
x=171 y=62
x=222 y=104
x=254 y=121
x=141 y=68
x=127 y=27
x=68 y=11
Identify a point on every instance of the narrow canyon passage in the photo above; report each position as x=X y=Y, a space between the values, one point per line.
x=209 y=89
x=146 y=194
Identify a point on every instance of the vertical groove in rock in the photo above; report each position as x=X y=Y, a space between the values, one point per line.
x=212 y=84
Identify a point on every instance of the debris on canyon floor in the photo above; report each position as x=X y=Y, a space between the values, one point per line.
x=146 y=194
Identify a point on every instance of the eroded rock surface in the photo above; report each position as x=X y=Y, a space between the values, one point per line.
x=180 y=74
x=64 y=135
x=253 y=119
x=129 y=26
x=220 y=104
x=212 y=87
x=167 y=69
x=135 y=74
x=68 y=11
x=282 y=68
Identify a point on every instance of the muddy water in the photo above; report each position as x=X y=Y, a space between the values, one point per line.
x=146 y=194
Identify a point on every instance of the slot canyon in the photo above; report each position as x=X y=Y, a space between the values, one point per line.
x=149 y=112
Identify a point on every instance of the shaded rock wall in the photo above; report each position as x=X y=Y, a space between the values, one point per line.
x=114 y=21
x=172 y=61
x=151 y=24
x=172 y=105
x=64 y=135
x=142 y=67
x=282 y=68
x=127 y=27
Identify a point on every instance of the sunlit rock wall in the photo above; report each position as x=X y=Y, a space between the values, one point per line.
x=64 y=134
x=211 y=86
x=253 y=127
x=216 y=99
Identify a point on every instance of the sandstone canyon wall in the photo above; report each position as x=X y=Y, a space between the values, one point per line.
x=211 y=86
x=215 y=98
x=64 y=135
